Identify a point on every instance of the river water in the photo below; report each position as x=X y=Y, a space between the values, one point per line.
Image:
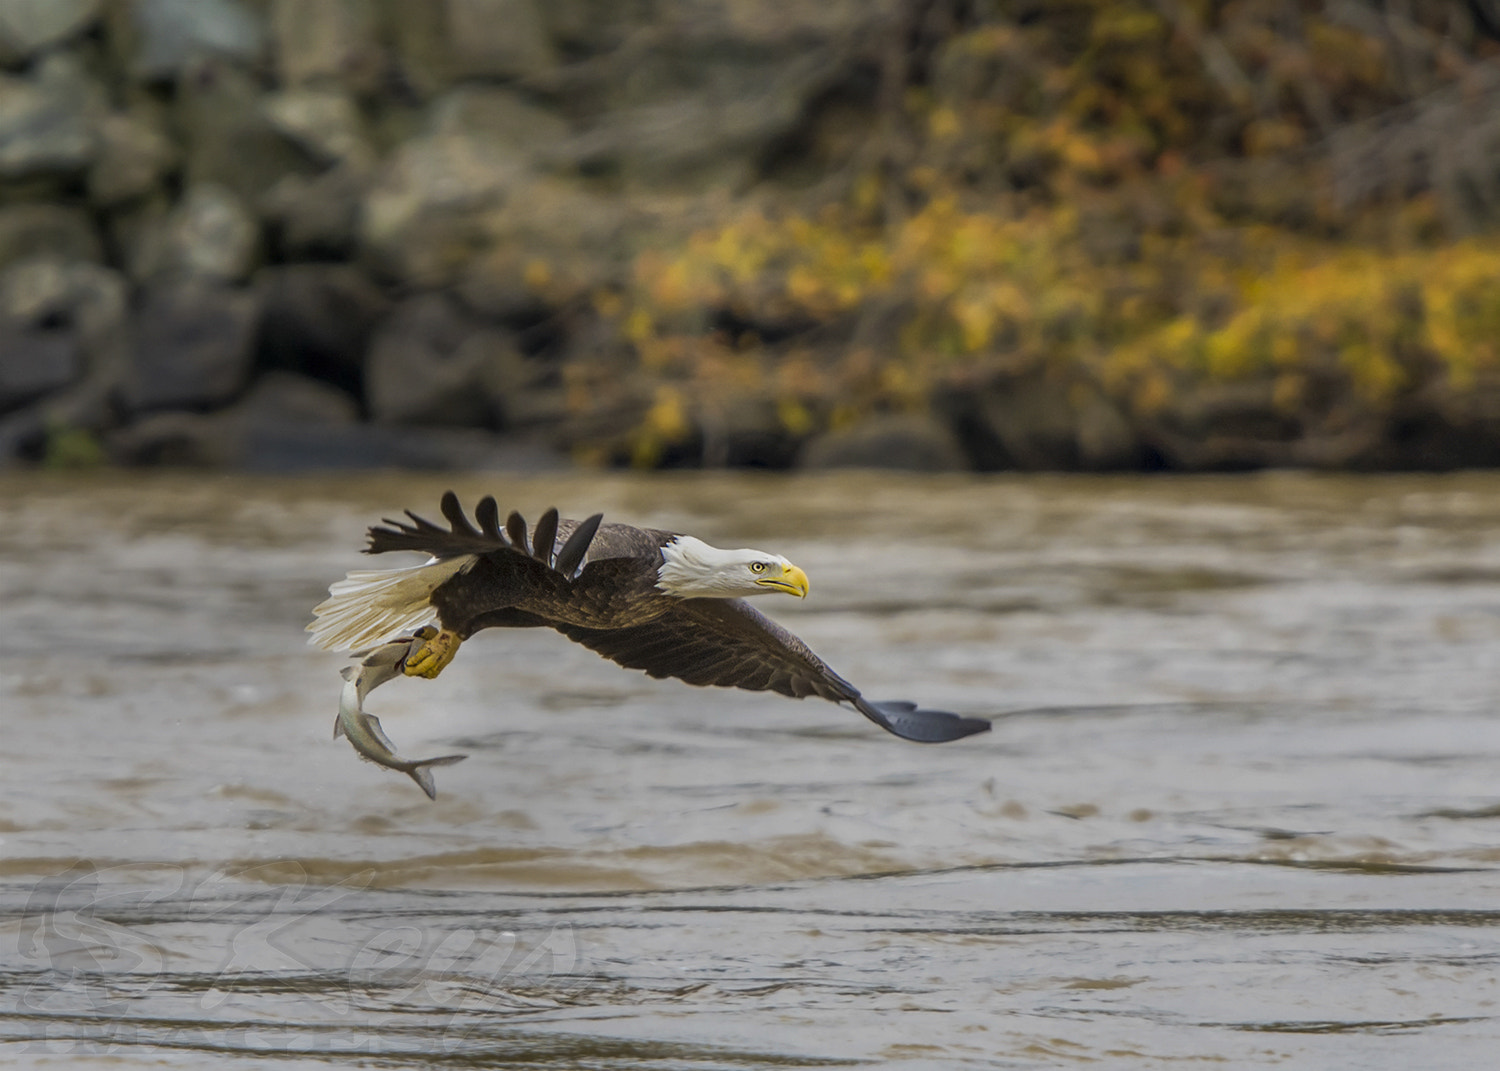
x=1240 y=807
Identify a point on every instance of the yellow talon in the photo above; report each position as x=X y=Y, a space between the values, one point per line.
x=434 y=654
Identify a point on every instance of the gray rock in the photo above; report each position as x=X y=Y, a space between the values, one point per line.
x=172 y=34
x=582 y=237
x=418 y=220
x=135 y=232
x=909 y=442
x=177 y=439
x=33 y=230
x=424 y=369
x=89 y=297
x=328 y=43
x=589 y=27
x=502 y=284
x=62 y=328
x=59 y=324
x=134 y=153
x=49 y=122
x=304 y=448
x=498 y=38
x=229 y=140
x=278 y=398
x=776 y=24
x=277 y=405
x=746 y=432
x=194 y=342
x=499 y=116
x=35 y=360
x=325 y=124
x=318 y=319
x=238 y=438
x=209 y=233
x=422 y=219
x=316 y=217
x=700 y=106
x=418 y=38
x=28 y=26
x=1107 y=441
x=1033 y=421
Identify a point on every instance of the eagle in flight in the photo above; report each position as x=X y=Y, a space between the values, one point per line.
x=657 y=601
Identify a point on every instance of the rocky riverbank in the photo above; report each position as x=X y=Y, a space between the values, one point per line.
x=338 y=231
x=288 y=234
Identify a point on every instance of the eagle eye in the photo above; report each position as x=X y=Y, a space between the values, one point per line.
x=757 y=567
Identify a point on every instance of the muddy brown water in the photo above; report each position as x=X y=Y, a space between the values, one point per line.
x=1240 y=807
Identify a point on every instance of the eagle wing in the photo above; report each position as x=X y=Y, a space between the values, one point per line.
x=462 y=538
x=727 y=642
x=474 y=579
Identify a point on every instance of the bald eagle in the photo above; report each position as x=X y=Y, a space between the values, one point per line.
x=658 y=601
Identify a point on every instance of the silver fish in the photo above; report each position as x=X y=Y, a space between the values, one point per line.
x=363 y=730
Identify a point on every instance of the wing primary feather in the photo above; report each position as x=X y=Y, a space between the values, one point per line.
x=545 y=537
x=515 y=527
x=910 y=722
x=419 y=524
x=571 y=555
x=488 y=515
x=455 y=514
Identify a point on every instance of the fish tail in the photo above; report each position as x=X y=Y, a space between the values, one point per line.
x=423 y=776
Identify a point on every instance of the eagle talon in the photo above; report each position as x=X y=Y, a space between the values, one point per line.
x=437 y=650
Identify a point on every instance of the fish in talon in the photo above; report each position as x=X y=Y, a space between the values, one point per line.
x=363 y=730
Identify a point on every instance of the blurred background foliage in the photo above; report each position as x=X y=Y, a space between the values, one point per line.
x=1143 y=234
x=1259 y=229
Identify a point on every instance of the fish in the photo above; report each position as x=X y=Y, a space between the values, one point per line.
x=363 y=730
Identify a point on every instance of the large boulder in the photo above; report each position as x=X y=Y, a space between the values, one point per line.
x=551 y=241
x=194 y=342
x=279 y=402
x=316 y=217
x=318 y=319
x=418 y=220
x=1037 y=421
x=228 y=138
x=778 y=24
x=49 y=122
x=701 y=100
x=31 y=230
x=288 y=424
x=711 y=127
x=61 y=326
x=419 y=59
x=133 y=155
x=35 y=359
x=498 y=38
x=210 y=234
x=911 y=442
x=325 y=124
x=29 y=26
x=327 y=43
x=171 y=35
x=427 y=366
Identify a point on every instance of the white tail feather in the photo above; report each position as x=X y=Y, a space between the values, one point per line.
x=374 y=606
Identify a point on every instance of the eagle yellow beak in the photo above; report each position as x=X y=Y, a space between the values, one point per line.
x=792 y=580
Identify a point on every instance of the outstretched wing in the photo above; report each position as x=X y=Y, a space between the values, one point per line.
x=475 y=576
x=727 y=642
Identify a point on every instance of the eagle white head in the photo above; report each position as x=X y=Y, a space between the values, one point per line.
x=691 y=569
